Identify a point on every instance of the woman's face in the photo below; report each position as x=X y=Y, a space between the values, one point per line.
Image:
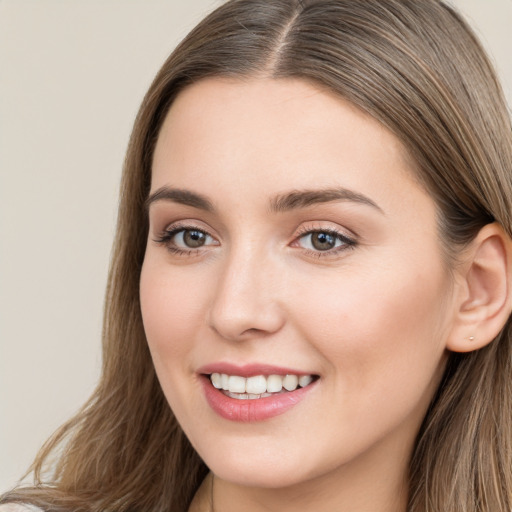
x=289 y=237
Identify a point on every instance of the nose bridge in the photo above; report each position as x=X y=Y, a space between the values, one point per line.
x=245 y=302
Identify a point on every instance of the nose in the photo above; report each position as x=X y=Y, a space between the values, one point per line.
x=246 y=298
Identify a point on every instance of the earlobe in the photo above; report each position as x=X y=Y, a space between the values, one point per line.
x=485 y=298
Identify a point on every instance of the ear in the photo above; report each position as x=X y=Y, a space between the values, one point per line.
x=484 y=298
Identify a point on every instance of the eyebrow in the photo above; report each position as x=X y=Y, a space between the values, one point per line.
x=181 y=196
x=304 y=198
x=293 y=200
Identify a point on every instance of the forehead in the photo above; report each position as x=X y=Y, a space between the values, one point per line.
x=267 y=134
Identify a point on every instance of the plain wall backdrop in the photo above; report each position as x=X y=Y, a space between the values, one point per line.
x=72 y=76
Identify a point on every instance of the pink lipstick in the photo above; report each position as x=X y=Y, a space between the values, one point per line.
x=251 y=393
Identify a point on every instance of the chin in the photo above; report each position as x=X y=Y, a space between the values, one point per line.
x=250 y=475
x=260 y=464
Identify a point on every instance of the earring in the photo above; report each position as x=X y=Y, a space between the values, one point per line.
x=471 y=338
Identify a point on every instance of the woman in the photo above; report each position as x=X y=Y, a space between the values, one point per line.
x=309 y=300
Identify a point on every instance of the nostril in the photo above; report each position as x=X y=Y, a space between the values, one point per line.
x=245 y=325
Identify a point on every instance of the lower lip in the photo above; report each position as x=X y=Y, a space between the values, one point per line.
x=258 y=409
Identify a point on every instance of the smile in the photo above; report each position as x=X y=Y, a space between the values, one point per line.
x=258 y=386
x=256 y=397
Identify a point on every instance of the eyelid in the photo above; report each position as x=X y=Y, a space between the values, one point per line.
x=326 y=227
x=167 y=235
x=349 y=241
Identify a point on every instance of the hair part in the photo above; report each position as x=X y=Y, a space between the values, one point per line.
x=416 y=67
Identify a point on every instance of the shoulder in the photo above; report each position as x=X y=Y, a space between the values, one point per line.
x=18 y=507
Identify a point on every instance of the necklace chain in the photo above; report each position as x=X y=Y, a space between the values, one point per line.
x=212 y=507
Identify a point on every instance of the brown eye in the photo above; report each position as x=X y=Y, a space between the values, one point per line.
x=184 y=239
x=193 y=238
x=323 y=241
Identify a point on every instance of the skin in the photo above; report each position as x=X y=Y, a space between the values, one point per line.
x=371 y=319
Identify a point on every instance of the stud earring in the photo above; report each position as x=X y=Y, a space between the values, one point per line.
x=471 y=338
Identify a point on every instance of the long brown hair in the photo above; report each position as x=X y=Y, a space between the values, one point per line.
x=415 y=66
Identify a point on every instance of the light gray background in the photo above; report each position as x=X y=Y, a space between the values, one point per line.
x=72 y=75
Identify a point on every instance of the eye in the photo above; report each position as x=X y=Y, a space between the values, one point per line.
x=191 y=238
x=321 y=241
x=183 y=239
x=324 y=241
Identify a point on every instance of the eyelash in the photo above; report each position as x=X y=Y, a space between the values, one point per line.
x=346 y=241
x=166 y=239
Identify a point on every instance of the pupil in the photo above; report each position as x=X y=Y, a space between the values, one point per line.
x=194 y=238
x=323 y=241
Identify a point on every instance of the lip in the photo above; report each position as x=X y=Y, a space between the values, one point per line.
x=249 y=370
x=247 y=411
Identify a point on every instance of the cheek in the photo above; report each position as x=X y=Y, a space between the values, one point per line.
x=171 y=312
x=380 y=337
x=171 y=308
x=378 y=330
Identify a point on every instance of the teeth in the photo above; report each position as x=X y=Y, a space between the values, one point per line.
x=216 y=379
x=274 y=383
x=236 y=384
x=257 y=386
x=305 y=380
x=290 y=382
x=246 y=396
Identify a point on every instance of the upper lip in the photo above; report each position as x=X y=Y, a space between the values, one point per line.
x=249 y=370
